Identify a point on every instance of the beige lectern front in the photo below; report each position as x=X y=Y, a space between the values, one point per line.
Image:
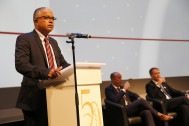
x=61 y=96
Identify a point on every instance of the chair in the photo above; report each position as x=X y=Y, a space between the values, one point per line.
x=116 y=115
x=160 y=106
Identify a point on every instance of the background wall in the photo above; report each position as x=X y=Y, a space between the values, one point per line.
x=162 y=19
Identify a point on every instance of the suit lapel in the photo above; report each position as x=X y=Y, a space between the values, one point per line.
x=122 y=101
x=113 y=88
x=38 y=40
x=116 y=92
x=166 y=88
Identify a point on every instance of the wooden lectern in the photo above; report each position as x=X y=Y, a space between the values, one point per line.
x=60 y=92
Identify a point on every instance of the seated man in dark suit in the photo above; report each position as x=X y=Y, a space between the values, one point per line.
x=134 y=104
x=175 y=100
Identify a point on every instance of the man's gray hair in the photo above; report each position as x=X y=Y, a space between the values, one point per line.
x=37 y=10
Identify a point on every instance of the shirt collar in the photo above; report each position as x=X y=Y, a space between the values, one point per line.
x=41 y=36
x=115 y=86
x=156 y=82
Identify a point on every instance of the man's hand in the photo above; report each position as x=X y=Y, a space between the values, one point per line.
x=54 y=72
x=160 y=81
x=126 y=85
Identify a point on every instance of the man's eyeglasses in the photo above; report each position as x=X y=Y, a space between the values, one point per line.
x=47 y=18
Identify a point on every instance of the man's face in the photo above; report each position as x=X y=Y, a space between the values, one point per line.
x=117 y=80
x=44 y=21
x=155 y=74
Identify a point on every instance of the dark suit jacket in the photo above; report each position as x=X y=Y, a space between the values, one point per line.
x=113 y=95
x=154 y=92
x=31 y=62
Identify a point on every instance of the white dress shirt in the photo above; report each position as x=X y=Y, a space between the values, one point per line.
x=156 y=82
x=42 y=37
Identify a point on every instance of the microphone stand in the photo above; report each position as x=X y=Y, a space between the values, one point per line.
x=75 y=78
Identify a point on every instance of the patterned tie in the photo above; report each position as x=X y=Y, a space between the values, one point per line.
x=127 y=101
x=118 y=89
x=49 y=54
x=165 y=92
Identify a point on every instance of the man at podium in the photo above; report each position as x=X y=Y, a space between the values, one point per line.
x=37 y=57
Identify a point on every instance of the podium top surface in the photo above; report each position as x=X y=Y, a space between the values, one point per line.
x=89 y=65
x=68 y=71
x=80 y=65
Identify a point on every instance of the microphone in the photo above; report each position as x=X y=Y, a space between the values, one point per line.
x=77 y=35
